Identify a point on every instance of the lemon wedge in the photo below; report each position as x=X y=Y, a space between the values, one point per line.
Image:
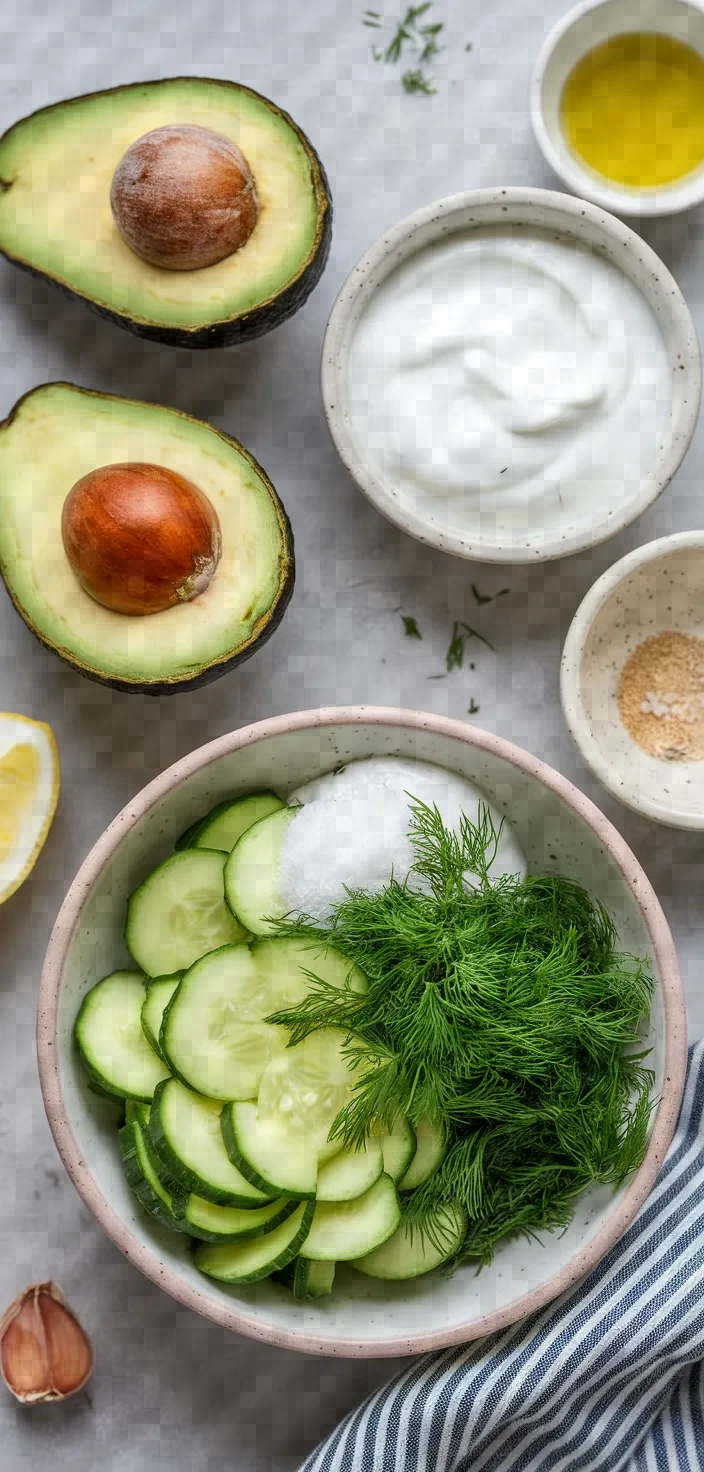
x=29 y=792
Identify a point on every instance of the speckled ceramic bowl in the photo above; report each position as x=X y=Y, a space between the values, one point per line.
x=657 y=588
x=493 y=535
x=560 y=831
x=576 y=33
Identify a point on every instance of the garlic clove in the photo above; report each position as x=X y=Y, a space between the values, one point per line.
x=44 y=1353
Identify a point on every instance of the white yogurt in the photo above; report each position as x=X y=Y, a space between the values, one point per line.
x=508 y=377
x=353 y=830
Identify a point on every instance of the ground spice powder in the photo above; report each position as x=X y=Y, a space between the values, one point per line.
x=661 y=697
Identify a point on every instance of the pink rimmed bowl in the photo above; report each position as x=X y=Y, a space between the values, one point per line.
x=561 y=831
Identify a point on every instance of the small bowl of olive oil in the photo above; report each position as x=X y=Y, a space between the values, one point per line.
x=617 y=103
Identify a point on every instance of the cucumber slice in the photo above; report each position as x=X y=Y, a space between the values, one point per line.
x=430 y=1153
x=266 y=1155
x=213 y=1031
x=110 y=1040
x=143 y=1179
x=350 y=1173
x=233 y=1223
x=308 y=1279
x=398 y=1147
x=246 y=1262
x=226 y=823
x=409 y=1254
x=305 y=1087
x=343 y=1230
x=251 y=873
x=184 y=1130
x=179 y=913
x=159 y=994
x=286 y=967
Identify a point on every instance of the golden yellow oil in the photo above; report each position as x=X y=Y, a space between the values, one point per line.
x=633 y=109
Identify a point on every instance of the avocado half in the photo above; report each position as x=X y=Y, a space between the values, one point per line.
x=56 y=168
x=55 y=435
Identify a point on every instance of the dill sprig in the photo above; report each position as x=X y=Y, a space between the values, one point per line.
x=461 y=633
x=410 y=626
x=500 y=1009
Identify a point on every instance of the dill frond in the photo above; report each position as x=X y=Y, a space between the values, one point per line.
x=499 y=1008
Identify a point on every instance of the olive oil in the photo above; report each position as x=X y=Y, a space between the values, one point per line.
x=633 y=109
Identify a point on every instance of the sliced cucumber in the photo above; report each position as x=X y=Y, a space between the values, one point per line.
x=430 y=1153
x=343 y=1230
x=179 y=913
x=286 y=967
x=251 y=873
x=184 y=1129
x=159 y=994
x=226 y=823
x=409 y=1254
x=398 y=1147
x=110 y=1039
x=233 y=1223
x=144 y=1180
x=213 y=1030
x=266 y=1155
x=246 y=1262
x=308 y=1279
x=305 y=1087
x=350 y=1173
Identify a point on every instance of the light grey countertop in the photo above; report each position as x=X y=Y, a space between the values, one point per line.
x=171 y=1390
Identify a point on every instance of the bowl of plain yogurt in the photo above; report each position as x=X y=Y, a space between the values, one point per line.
x=511 y=375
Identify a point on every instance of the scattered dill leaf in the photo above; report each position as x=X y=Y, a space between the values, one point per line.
x=472 y=708
x=488 y=597
x=410 y=627
x=372 y=18
x=468 y=47
x=461 y=632
x=499 y=1008
x=416 y=81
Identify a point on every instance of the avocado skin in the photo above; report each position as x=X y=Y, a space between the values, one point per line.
x=220 y=667
x=247 y=325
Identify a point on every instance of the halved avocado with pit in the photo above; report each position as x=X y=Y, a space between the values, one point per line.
x=56 y=169
x=58 y=433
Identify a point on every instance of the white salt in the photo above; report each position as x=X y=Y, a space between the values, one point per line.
x=352 y=831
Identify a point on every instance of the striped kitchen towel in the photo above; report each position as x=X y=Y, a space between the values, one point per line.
x=607 y=1379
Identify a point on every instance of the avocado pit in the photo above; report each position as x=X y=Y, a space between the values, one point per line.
x=183 y=197
x=140 y=538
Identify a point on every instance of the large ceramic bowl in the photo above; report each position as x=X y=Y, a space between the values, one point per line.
x=561 y=831
x=493 y=531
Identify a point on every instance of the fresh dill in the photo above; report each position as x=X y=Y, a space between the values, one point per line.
x=461 y=633
x=500 y=1009
x=415 y=80
x=410 y=627
x=472 y=708
x=421 y=37
x=482 y=598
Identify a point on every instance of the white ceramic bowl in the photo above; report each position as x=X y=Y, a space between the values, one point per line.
x=560 y=831
x=588 y=25
x=657 y=588
x=573 y=219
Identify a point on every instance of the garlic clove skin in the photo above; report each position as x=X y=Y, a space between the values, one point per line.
x=45 y=1355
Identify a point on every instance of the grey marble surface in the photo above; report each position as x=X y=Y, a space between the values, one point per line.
x=171 y=1390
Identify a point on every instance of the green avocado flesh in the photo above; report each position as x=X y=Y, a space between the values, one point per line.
x=56 y=169
x=55 y=435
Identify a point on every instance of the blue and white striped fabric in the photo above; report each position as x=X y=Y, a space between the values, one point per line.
x=607 y=1379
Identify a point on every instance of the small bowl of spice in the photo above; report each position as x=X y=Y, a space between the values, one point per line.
x=617 y=104
x=632 y=680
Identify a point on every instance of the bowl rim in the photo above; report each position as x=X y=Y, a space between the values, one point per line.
x=237 y=1316
x=571 y=216
x=572 y=680
x=669 y=199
